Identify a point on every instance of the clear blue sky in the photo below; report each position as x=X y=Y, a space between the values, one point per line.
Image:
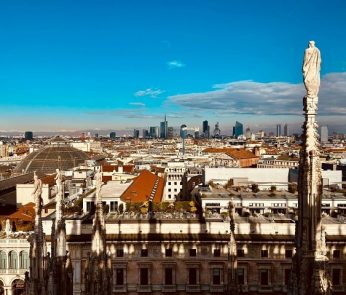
x=123 y=64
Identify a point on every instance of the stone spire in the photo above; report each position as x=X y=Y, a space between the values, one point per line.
x=232 y=254
x=99 y=269
x=36 y=283
x=60 y=270
x=310 y=262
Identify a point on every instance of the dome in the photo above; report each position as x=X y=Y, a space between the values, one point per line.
x=50 y=158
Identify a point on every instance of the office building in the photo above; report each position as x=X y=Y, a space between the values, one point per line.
x=206 y=129
x=154 y=132
x=112 y=135
x=278 y=130
x=170 y=132
x=324 y=134
x=135 y=133
x=164 y=128
x=238 y=129
x=28 y=135
x=145 y=133
x=286 y=130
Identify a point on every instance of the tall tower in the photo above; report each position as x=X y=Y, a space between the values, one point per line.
x=310 y=262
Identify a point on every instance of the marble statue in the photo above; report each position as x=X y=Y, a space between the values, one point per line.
x=58 y=181
x=311 y=69
x=8 y=228
x=37 y=193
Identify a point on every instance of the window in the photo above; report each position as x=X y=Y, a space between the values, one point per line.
x=287 y=276
x=336 y=277
x=144 y=276
x=240 y=252
x=23 y=260
x=193 y=252
x=144 y=252
x=169 y=196
x=113 y=206
x=336 y=254
x=120 y=253
x=12 y=260
x=169 y=183
x=88 y=206
x=241 y=276
x=168 y=276
x=175 y=183
x=216 y=276
x=175 y=190
x=169 y=190
x=264 y=253
x=217 y=252
x=264 y=277
x=288 y=253
x=119 y=276
x=193 y=276
x=3 y=260
x=169 y=253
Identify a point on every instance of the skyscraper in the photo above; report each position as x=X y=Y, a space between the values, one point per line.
x=135 y=133
x=324 y=134
x=286 y=131
x=217 y=130
x=145 y=133
x=112 y=135
x=170 y=132
x=28 y=135
x=278 y=130
x=164 y=128
x=154 y=132
x=238 y=129
x=206 y=129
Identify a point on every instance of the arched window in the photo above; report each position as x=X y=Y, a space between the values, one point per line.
x=23 y=260
x=12 y=260
x=3 y=260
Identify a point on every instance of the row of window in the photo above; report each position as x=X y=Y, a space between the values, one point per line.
x=175 y=183
x=217 y=274
x=169 y=276
x=12 y=258
x=217 y=253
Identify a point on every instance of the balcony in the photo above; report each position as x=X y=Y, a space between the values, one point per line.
x=193 y=288
x=143 y=288
x=217 y=288
x=119 y=289
x=169 y=288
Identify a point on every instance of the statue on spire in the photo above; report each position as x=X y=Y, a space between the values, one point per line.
x=311 y=69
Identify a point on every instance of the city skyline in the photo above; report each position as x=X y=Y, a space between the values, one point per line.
x=68 y=66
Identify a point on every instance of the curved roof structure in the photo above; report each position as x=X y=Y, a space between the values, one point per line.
x=50 y=158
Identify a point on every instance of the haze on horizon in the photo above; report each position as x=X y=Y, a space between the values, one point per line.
x=108 y=65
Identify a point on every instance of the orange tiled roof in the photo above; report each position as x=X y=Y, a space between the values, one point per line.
x=143 y=186
x=24 y=213
x=234 y=153
x=111 y=168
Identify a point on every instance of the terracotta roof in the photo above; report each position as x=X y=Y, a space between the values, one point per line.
x=111 y=168
x=146 y=184
x=234 y=153
x=24 y=213
x=49 y=179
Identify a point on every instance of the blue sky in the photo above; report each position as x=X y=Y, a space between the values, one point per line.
x=67 y=65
